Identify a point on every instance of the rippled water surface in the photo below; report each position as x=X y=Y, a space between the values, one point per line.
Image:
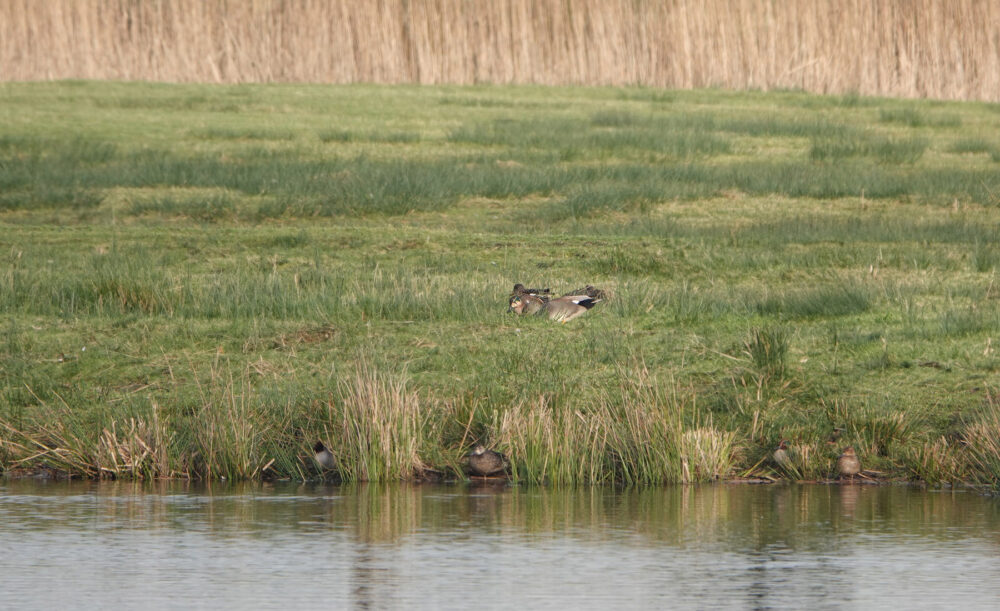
x=173 y=545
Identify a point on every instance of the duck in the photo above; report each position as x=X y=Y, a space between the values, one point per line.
x=568 y=307
x=589 y=291
x=519 y=289
x=848 y=464
x=783 y=458
x=323 y=456
x=562 y=309
x=526 y=304
x=483 y=462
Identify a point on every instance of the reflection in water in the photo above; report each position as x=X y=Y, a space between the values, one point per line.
x=377 y=546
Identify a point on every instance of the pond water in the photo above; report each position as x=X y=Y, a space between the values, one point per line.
x=178 y=545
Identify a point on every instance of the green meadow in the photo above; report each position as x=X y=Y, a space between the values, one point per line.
x=202 y=281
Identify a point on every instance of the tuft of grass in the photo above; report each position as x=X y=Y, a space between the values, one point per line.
x=212 y=208
x=982 y=439
x=968 y=321
x=614 y=118
x=346 y=136
x=378 y=427
x=647 y=430
x=554 y=446
x=936 y=462
x=813 y=460
x=622 y=262
x=60 y=438
x=707 y=454
x=878 y=430
x=337 y=135
x=984 y=257
x=767 y=349
x=911 y=117
x=605 y=135
x=890 y=150
x=243 y=133
x=821 y=302
x=974 y=145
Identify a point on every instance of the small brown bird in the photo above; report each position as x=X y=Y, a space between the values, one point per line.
x=483 y=462
x=784 y=459
x=324 y=456
x=848 y=464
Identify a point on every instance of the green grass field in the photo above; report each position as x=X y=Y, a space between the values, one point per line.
x=201 y=281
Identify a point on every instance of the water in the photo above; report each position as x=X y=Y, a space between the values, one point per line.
x=175 y=545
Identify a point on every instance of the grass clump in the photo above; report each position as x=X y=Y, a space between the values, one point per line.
x=554 y=446
x=707 y=454
x=966 y=146
x=241 y=133
x=911 y=117
x=768 y=351
x=883 y=149
x=982 y=437
x=61 y=437
x=377 y=428
x=937 y=462
x=821 y=302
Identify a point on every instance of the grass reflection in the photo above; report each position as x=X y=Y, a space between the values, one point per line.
x=733 y=517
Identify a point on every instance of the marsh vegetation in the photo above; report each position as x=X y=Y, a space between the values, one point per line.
x=203 y=281
x=944 y=49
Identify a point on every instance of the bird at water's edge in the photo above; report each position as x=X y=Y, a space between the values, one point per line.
x=483 y=462
x=848 y=465
x=324 y=456
x=785 y=459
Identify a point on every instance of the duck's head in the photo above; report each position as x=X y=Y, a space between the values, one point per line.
x=849 y=451
x=516 y=304
x=783 y=445
x=478 y=450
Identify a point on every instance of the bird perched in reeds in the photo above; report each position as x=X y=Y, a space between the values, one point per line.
x=784 y=457
x=483 y=462
x=848 y=465
x=323 y=456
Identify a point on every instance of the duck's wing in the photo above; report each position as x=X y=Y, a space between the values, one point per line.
x=581 y=300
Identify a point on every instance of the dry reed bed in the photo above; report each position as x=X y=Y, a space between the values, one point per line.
x=916 y=48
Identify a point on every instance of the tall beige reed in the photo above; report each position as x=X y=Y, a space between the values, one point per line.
x=909 y=48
